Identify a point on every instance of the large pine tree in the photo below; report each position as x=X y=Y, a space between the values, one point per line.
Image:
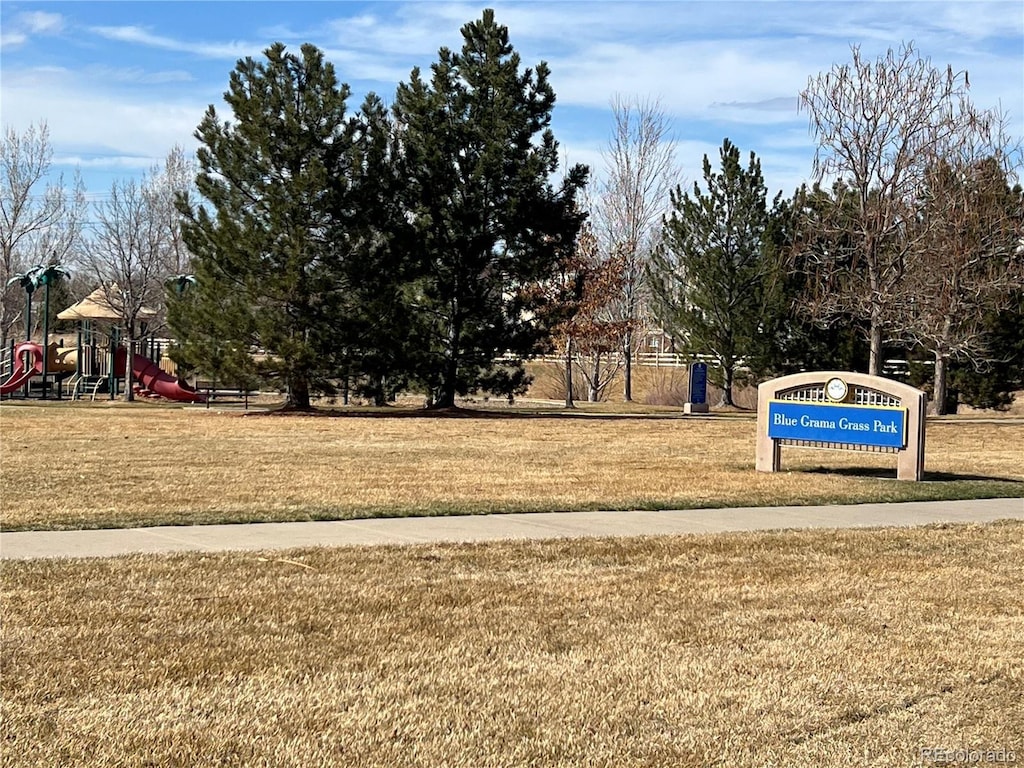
x=712 y=282
x=275 y=180
x=489 y=223
x=374 y=345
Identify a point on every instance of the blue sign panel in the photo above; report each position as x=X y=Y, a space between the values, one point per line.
x=699 y=383
x=851 y=424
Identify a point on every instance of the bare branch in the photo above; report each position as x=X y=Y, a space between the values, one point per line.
x=878 y=124
x=640 y=173
x=40 y=221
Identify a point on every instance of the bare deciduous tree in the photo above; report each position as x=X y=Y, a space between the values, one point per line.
x=137 y=247
x=969 y=256
x=40 y=222
x=127 y=257
x=176 y=178
x=641 y=172
x=877 y=123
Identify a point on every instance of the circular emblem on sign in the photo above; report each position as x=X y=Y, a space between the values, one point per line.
x=836 y=389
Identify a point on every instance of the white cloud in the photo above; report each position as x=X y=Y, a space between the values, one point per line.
x=129 y=163
x=12 y=39
x=128 y=75
x=140 y=36
x=689 y=77
x=979 y=20
x=42 y=23
x=23 y=26
x=719 y=68
x=108 y=127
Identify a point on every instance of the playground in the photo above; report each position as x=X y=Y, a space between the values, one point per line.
x=70 y=378
x=95 y=365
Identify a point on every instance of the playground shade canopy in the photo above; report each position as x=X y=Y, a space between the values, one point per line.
x=101 y=304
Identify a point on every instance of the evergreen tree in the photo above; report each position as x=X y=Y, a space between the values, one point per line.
x=993 y=383
x=488 y=223
x=796 y=336
x=374 y=347
x=275 y=181
x=215 y=334
x=713 y=280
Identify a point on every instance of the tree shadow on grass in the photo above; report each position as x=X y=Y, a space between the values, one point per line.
x=889 y=473
x=387 y=412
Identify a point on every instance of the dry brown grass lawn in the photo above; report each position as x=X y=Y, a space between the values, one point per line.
x=779 y=649
x=71 y=466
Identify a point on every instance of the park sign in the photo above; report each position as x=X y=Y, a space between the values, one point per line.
x=841 y=410
x=828 y=423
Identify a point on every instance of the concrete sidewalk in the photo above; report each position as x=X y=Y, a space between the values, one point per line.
x=554 y=525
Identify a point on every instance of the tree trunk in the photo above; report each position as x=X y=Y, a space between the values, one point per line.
x=875 y=360
x=627 y=395
x=450 y=375
x=593 y=393
x=727 y=378
x=875 y=334
x=445 y=397
x=940 y=384
x=446 y=391
x=298 y=393
x=570 y=401
x=380 y=397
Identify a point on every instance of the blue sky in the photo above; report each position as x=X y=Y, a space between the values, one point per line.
x=120 y=83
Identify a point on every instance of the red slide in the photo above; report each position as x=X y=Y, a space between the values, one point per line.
x=20 y=374
x=150 y=377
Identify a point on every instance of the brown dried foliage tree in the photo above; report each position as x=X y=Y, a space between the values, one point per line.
x=585 y=327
